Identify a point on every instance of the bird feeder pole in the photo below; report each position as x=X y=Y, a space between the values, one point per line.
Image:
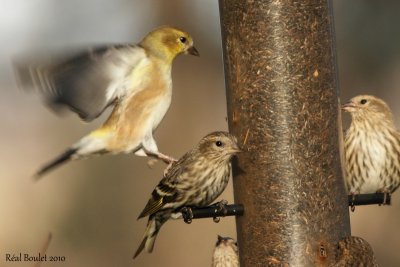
x=282 y=94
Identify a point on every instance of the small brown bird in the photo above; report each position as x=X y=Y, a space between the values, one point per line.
x=372 y=147
x=225 y=253
x=354 y=251
x=134 y=79
x=195 y=180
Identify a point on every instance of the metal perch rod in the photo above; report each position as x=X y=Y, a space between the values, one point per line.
x=238 y=209
x=369 y=199
x=211 y=212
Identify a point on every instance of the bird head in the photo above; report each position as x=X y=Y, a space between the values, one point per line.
x=368 y=107
x=219 y=145
x=225 y=252
x=168 y=42
x=226 y=244
x=225 y=241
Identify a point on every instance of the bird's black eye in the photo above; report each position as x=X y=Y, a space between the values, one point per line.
x=363 y=101
x=218 y=143
x=182 y=39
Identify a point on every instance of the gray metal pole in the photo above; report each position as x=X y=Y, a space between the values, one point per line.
x=282 y=94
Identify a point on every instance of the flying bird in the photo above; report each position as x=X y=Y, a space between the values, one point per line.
x=225 y=253
x=133 y=79
x=372 y=147
x=195 y=180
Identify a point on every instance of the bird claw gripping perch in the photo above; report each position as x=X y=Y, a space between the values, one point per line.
x=220 y=207
x=187 y=215
x=386 y=196
x=216 y=210
x=353 y=206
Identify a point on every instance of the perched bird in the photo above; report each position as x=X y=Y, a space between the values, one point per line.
x=354 y=251
x=134 y=79
x=195 y=180
x=372 y=147
x=225 y=253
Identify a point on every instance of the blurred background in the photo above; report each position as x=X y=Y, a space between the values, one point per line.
x=91 y=206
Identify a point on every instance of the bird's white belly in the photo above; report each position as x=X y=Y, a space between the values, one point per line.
x=378 y=157
x=371 y=185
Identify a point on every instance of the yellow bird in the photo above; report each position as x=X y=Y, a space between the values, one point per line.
x=134 y=79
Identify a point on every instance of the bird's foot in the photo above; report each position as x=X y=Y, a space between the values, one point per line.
x=187 y=214
x=386 y=195
x=353 y=198
x=156 y=156
x=220 y=208
x=168 y=168
x=165 y=158
x=151 y=163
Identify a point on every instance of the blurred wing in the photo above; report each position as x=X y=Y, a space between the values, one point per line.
x=88 y=82
x=163 y=193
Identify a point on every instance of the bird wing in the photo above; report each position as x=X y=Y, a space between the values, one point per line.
x=165 y=192
x=87 y=82
x=169 y=190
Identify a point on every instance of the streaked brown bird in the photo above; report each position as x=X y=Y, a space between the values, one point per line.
x=372 y=147
x=225 y=253
x=354 y=251
x=195 y=180
x=134 y=79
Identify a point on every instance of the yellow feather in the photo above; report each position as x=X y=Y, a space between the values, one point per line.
x=101 y=132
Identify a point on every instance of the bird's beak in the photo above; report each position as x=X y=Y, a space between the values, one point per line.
x=193 y=51
x=236 y=150
x=349 y=106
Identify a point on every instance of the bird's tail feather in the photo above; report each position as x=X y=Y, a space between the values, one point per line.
x=67 y=155
x=149 y=238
